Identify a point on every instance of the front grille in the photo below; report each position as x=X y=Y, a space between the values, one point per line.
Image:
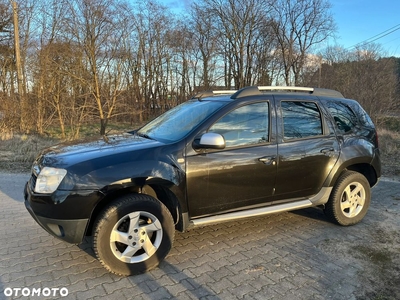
x=35 y=172
x=32 y=181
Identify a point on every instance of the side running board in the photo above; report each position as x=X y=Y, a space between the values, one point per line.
x=252 y=213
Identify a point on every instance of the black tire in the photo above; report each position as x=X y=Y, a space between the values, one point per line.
x=349 y=199
x=133 y=234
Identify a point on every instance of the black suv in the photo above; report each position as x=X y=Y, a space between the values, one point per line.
x=220 y=156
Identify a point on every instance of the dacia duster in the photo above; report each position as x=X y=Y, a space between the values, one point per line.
x=220 y=156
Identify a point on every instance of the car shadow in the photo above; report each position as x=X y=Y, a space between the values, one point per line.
x=87 y=246
x=314 y=213
x=153 y=281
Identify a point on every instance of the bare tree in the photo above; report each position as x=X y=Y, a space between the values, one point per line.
x=46 y=64
x=152 y=56
x=118 y=59
x=205 y=39
x=238 y=24
x=300 y=25
x=6 y=49
x=362 y=74
x=94 y=26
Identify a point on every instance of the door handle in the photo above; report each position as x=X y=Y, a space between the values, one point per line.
x=267 y=160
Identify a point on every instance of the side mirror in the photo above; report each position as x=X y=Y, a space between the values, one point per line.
x=210 y=140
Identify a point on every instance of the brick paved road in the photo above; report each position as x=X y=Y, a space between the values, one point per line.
x=295 y=255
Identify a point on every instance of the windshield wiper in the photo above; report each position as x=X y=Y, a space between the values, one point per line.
x=144 y=135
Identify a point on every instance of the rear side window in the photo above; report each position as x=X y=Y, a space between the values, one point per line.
x=344 y=117
x=363 y=117
x=300 y=119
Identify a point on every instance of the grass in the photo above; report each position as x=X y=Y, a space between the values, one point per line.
x=392 y=123
x=380 y=257
x=389 y=141
x=92 y=130
x=389 y=145
x=18 y=153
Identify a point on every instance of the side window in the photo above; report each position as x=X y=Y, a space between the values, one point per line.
x=300 y=119
x=344 y=117
x=246 y=125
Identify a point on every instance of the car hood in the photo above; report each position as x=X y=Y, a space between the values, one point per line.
x=71 y=153
x=98 y=163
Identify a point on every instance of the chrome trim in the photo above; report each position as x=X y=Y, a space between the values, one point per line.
x=212 y=139
x=285 y=88
x=221 y=92
x=36 y=166
x=253 y=212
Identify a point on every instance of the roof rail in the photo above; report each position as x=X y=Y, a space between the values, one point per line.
x=286 y=88
x=224 y=92
x=257 y=90
x=327 y=93
x=213 y=93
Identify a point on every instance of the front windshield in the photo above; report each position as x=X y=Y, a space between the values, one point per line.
x=179 y=121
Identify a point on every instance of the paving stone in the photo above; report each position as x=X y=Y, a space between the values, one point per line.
x=284 y=256
x=109 y=284
x=222 y=285
x=90 y=293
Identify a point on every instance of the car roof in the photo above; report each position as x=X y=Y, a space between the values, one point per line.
x=262 y=90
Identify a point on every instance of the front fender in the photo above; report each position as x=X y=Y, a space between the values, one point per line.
x=149 y=177
x=131 y=173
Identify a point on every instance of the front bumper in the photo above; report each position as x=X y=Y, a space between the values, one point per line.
x=69 y=230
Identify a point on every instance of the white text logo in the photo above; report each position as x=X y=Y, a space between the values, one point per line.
x=27 y=292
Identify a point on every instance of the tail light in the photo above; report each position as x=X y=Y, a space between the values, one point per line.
x=376 y=139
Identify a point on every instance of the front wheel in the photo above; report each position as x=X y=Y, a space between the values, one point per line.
x=133 y=234
x=349 y=200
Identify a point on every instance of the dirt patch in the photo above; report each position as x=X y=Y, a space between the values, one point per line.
x=381 y=270
x=390 y=166
x=389 y=144
x=14 y=166
x=376 y=254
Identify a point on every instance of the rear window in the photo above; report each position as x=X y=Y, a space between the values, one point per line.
x=344 y=117
x=300 y=120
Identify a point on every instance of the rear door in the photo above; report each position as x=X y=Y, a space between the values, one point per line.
x=308 y=149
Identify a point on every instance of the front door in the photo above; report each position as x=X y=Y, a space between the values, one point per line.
x=241 y=175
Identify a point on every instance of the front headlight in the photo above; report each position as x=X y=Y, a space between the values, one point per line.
x=49 y=179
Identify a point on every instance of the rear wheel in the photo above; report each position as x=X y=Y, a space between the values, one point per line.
x=133 y=235
x=349 y=200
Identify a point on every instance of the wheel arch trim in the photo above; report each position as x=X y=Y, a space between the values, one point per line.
x=161 y=189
